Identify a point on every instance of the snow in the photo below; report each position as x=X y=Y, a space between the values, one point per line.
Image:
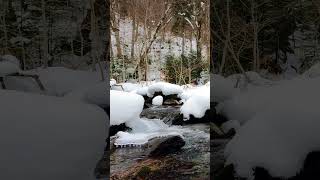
x=11 y=59
x=165 y=88
x=157 y=101
x=112 y=82
x=231 y=124
x=7 y=67
x=197 y=104
x=50 y=138
x=124 y=107
x=58 y=81
x=143 y=130
x=279 y=127
x=95 y=94
x=223 y=88
x=314 y=71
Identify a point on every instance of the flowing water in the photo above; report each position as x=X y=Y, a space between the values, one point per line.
x=196 y=150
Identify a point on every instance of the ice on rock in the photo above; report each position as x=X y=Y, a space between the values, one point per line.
x=143 y=130
x=157 y=101
x=124 y=107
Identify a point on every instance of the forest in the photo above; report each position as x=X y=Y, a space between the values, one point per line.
x=255 y=35
x=159 y=41
x=44 y=33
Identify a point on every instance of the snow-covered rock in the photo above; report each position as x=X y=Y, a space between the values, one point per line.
x=157 y=101
x=7 y=67
x=165 y=88
x=282 y=127
x=197 y=104
x=222 y=88
x=49 y=138
x=124 y=107
x=10 y=58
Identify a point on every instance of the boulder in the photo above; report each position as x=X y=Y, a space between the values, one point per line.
x=166 y=146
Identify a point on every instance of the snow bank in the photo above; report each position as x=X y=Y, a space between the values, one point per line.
x=124 y=107
x=313 y=72
x=282 y=127
x=197 y=104
x=49 y=138
x=7 y=67
x=157 y=101
x=58 y=81
x=165 y=88
x=95 y=94
x=10 y=58
x=222 y=88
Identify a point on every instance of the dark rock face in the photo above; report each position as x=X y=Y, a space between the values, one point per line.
x=116 y=128
x=167 y=146
x=169 y=115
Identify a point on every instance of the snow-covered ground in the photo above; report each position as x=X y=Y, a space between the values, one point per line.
x=277 y=122
x=45 y=137
x=54 y=134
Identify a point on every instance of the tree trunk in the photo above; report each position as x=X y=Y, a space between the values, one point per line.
x=44 y=35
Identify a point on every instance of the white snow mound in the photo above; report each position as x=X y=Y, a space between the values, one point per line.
x=157 y=101
x=124 y=107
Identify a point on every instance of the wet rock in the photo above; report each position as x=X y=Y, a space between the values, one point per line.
x=166 y=146
x=171 y=102
x=169 y=115
x=116 y=128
